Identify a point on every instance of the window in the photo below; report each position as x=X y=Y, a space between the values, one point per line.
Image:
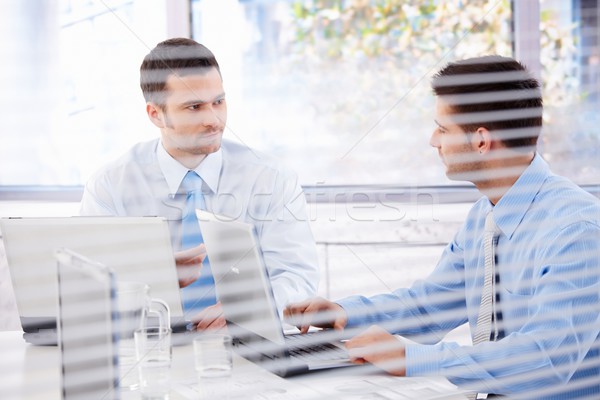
x=570 y=55
x=72 y=97
x=339 y=89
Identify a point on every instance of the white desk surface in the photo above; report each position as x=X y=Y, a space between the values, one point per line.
x=33 y=372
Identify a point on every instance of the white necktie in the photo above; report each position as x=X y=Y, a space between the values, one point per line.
x=484 y=319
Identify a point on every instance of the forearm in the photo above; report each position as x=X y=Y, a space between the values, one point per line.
x=407 y=313
x=511 y=366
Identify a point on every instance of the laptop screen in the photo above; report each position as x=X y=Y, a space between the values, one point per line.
x=241 y=280
x=136 y=248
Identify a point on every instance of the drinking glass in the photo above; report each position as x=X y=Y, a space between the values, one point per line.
x=153 y=353
x=213 y=362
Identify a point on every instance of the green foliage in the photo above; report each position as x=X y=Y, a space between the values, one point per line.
x=341 y=30
x=365 y=67
x=384 y=51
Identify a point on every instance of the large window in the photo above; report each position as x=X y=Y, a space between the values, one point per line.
x=101 y=45
x=339 y=89
x=70 y=80
x=570 y=55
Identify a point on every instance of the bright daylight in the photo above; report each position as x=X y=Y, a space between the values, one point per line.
x=300 y=199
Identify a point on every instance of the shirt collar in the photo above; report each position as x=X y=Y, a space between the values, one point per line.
x=512 y=207
x=209 y=169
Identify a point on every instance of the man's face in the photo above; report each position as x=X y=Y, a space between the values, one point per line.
x=194 y=114
x=455 y=146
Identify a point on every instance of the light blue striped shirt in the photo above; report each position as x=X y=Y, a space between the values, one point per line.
x=548 y=261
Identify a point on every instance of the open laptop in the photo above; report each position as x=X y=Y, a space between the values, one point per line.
x=244 y=290
x=136 y=248
x=87 y=328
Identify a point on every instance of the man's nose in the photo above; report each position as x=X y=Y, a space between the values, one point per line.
x=211 y=118
x=433 y=140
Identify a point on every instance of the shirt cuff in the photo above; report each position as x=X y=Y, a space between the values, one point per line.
x=353 y=306
x=422 y=359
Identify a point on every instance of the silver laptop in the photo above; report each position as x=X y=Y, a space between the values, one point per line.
x=87 y=328
x=244 y=290
x=136 y=248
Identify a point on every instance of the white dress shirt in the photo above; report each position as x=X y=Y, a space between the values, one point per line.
x=239 y=183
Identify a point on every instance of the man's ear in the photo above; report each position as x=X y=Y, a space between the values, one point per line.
x=482 y=140
x=156 y=115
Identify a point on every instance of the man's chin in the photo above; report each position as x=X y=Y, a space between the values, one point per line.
x=462 y=176
x=208 y=148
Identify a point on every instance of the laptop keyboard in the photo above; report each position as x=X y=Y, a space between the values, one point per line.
x=307 y=349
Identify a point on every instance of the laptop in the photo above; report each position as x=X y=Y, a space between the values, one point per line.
x=87 y=328
x=136 y=248
x=244 y=290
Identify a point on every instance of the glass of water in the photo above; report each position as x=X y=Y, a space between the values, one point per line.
x=213 y=362
x=153 y=353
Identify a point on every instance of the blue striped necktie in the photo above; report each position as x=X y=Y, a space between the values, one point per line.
x=201 y=293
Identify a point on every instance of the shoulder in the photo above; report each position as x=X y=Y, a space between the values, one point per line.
x=567 y=202
x=567 y=222
x=138 y=156
x=140 y=153
x=561 y=200
x=240 y=156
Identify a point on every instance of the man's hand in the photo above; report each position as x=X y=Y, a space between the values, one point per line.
x=379 y=348
x=316 y=312
x=211 y=318
x=188 y=264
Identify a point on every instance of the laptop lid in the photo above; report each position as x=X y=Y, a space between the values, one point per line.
x=241 y=281
x=136 y=248
x=245 y=292
x=87 y=328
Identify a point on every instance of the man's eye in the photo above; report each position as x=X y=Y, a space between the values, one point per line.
x=219 y=102
x=194 y=107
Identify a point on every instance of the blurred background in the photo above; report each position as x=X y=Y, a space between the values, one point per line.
x=342 y=83
x=338 y=89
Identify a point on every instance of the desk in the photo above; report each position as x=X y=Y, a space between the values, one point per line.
x=32 y=372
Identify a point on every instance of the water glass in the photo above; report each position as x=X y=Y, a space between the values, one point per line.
x=153 y=352
x=212 y=354
x=213 y=362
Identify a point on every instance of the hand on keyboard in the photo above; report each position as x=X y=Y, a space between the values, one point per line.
x=317 y=312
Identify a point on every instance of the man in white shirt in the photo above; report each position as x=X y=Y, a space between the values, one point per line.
x=182 y=84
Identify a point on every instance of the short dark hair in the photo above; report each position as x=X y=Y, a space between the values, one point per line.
x=496 y=93
x=179 y=56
